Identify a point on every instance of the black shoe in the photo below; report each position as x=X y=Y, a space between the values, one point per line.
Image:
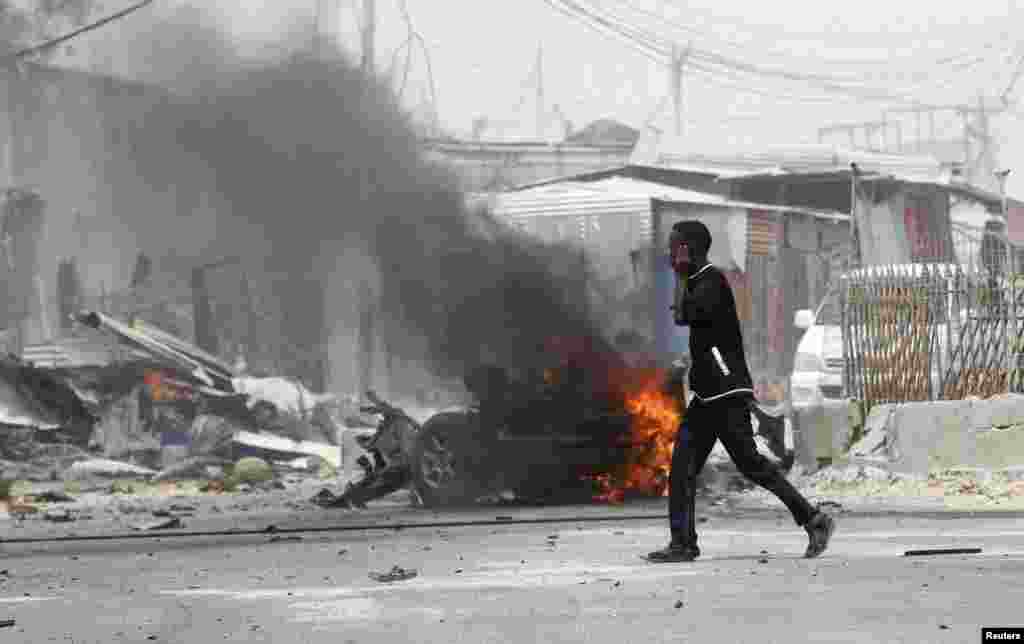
x=674 y=553
x=819 y=531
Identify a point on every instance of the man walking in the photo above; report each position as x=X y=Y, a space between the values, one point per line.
x=720 y=409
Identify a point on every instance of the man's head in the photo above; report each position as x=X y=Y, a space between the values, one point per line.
x=690 y=242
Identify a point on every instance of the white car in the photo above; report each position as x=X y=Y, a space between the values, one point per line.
x=818 y=366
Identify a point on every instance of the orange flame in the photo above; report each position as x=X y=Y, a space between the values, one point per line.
x=655 y=421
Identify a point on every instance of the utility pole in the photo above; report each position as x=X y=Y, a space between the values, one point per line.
x=369 y=32
x=540 y=92
x=676 y=84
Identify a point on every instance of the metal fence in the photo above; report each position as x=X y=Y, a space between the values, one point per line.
x=936 y=331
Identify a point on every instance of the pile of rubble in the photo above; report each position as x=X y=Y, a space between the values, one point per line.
x=101 y=488
x=164 y=413
x=858 y=480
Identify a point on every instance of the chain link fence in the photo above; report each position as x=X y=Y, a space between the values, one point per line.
x=915 y=332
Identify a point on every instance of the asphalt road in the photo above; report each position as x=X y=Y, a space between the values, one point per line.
x=517 y=584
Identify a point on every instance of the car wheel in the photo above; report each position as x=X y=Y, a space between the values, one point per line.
x=447 y=458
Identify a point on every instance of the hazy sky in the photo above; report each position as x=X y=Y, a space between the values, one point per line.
x=483 y=56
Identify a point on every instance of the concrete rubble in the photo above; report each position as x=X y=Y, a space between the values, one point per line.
x=165 y=414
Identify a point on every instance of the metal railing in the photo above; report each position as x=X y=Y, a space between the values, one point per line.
x=936 y=331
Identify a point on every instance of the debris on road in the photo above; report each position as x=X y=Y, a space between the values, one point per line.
x=52 y=496
x=679 y=604
x=59 y=515
x=6 y=623
x=942 y=551
x=167 y=524
x=193 y=468
x=279 y=538
x=397 y=573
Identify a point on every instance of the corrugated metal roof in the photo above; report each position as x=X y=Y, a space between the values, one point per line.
x=614 y=195
x=809 y=158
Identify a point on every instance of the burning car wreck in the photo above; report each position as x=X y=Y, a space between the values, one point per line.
x=587 y=428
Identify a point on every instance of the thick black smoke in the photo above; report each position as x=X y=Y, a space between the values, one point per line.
x=309 y=158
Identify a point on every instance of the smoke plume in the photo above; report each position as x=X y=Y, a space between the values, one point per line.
x=310 y=159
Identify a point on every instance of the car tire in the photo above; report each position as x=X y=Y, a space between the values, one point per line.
x=447 y=460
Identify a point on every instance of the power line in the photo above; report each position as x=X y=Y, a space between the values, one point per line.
x=827 y=83
x=645 y=51
x=694 y=32
x=715 y=65
x=56 y=42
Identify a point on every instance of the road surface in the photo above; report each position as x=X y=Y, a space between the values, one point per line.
x=526 y=583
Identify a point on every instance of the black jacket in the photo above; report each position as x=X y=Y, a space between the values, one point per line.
x=719 y=364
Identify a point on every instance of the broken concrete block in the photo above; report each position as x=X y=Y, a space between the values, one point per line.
x=1006 y=410
x=999 y=448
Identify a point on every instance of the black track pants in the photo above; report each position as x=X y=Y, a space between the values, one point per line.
x=726 y=419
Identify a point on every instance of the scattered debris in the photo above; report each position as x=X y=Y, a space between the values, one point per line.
x=122 y=487
x=52 y=496
x=167 y=524
x=21 y=511
x=942 y=551
x=763 y=560
x=679 y=603
x=943 y=627
x=279 y=445
x=192 y=468
x=279 y=538
x=216 y=486
x=397 y=573
x=101 y=467
x=6 y=623
x=59 y=515
x=343 y=552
